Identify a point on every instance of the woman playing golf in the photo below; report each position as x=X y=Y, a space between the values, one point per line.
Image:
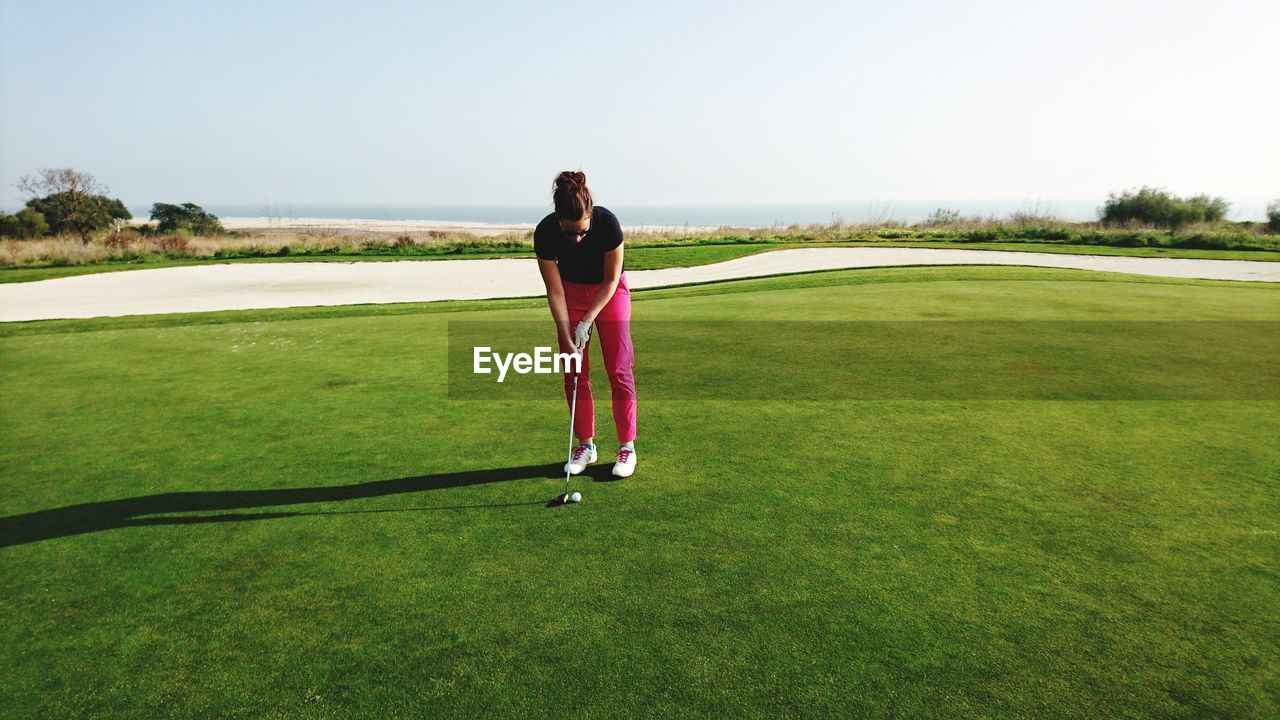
x=579 y=249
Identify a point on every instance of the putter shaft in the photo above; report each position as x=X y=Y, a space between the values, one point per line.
x=573 y=409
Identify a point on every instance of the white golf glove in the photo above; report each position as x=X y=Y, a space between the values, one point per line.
x=581 y=334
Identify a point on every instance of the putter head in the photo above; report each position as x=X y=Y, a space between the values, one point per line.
x=559 y=500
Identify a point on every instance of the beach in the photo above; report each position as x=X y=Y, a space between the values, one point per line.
x=362 y=226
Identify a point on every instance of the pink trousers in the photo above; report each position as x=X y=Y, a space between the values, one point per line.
x=613 y=333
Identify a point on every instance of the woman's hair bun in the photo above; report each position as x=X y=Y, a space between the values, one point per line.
x=569 y=180
x=572 y=198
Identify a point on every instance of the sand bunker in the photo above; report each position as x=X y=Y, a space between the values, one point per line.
x=242 y=286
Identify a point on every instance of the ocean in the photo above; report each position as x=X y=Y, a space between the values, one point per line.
x=738 y=215
x=764 y=214
x=735 y=215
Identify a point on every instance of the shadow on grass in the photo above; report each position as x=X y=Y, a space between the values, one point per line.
x=601 y=473
x=131 y=512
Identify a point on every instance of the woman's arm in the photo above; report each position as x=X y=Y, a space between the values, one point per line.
x=555 y=299
x=612 y=276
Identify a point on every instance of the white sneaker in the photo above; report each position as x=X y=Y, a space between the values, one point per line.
x=626 y=463
x=581 y=457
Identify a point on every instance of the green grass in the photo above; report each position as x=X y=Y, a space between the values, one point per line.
x=283 y=514
x=646 y=257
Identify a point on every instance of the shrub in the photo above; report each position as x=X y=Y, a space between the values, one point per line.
x=26 y=224
x=1159 y=207
x=173 y=243
x=981 y=235
x=943 y=216
x=894 y=233
x=122 y=239
x=404 y=242
x=187 y=216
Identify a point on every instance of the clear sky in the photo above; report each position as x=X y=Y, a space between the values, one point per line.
x=659 y=102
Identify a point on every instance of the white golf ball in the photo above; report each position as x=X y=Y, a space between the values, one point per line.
x=576 y=497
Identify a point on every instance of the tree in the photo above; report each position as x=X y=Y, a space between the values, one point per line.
x=1273 y=216
x=27 y=223
x=71 y=201
x=188 y=216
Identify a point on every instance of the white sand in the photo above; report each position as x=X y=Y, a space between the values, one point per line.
x=353 y=225
x=230 y=286
x=339 y=225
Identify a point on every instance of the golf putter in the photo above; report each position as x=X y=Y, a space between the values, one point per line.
x=573 y=411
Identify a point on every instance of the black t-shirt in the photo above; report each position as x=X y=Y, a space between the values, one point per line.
x=583 y=261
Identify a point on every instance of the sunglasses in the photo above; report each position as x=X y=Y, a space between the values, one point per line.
x=575 y=233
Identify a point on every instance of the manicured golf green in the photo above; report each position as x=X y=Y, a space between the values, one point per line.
x=285 y=514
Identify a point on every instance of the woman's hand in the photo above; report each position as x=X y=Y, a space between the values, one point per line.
x=581 y=334
x=566 y=341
